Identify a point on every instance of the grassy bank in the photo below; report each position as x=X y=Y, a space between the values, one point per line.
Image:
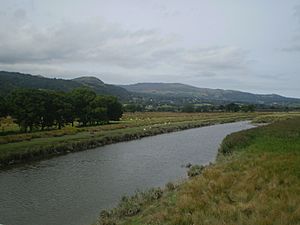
x=256 y=180
x=19 y=148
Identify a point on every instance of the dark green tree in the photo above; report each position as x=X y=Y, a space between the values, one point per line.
x=27 y=107
x=248 y=108
x=99 y=111
x=81 y=99
x=232 y=107
x=44 y=108
x=3 y=107
x=113 y=106
x=188 y=108
x=61 y=109
x=132 y=107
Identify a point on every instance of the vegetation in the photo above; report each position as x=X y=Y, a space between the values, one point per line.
x=3 y=107
x=166 y=97
x=34 y=109
x=24 y=147
x=188 y=107
x=256 y=180
x=231 y=107
x=270 y=118
x=183 y=94
x=195 y=170
x=10 y=81
x=130 y=206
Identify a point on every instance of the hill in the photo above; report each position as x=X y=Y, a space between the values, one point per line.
x=101 y=88
x=13 y=80
x=158 y=92
x=177 y=90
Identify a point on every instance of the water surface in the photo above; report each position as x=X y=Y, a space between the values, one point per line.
x=73 y=189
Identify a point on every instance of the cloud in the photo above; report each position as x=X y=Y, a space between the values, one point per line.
x=295 y=45
x=293 y=48
x=107 y=47
x=297 y=13
x=164 y=10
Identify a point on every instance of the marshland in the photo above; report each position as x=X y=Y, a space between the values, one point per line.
x=145 y=175
x=255 y=180
x=24 y=147
x=149 y=112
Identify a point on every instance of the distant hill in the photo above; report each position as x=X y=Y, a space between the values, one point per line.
x=13 y=80
x=101 y=88
x=177 y=90
x=158 y=92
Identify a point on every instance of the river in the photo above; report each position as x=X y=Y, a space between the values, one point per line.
x=73 y=189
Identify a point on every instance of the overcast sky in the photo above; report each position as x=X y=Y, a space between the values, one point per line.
x=251 y=46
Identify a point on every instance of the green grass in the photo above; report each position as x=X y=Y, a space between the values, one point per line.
x=269 y=118
x=256 y=180
x=24 y=147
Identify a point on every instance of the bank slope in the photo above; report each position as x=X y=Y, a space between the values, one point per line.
x=26 y=147
x=256 y=180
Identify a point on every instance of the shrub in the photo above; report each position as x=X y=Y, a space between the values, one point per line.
x=154 y=194
x=170 y=186
x=129 y=206
x=195 y=170
x=105 y=218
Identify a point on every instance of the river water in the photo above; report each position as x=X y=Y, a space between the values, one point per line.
x=73 y=189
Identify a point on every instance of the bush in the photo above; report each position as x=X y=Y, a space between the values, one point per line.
x=154 y=194
x=105 y=218
x=195 y=170
x=129 y=206
x=170 y=186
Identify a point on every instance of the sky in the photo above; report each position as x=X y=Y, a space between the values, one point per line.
x=251 y=46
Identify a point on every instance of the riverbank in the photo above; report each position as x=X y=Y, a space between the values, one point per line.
x=24 y=148
x=255 y=180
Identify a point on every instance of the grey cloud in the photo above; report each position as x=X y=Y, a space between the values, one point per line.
x=20 y=14
x=297 y=12
x=294 y=47
x=109 y=46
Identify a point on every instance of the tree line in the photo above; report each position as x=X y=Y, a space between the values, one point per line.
x=40 y=109
x=231 y=107
x=189 y=108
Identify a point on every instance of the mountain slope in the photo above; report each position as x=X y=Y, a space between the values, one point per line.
x=101 y=88
x=171 y=90
x=13 y=80
x=168 y=92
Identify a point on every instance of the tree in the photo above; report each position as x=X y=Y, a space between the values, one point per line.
x=81 y=99
x=114 y=107
x=188 y=108
x=232 y=107
x=221 y=108
x=27 y=107
x=61 y=109
x=44 y=108
x=134 y=108
x=248 y=108
x=3 y=107
x=99 y=110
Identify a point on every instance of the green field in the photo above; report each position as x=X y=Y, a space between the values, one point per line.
x=24 y=147
x=256 y=180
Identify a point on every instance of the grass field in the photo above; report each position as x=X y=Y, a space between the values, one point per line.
x=23 y=147
x=256 y=180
